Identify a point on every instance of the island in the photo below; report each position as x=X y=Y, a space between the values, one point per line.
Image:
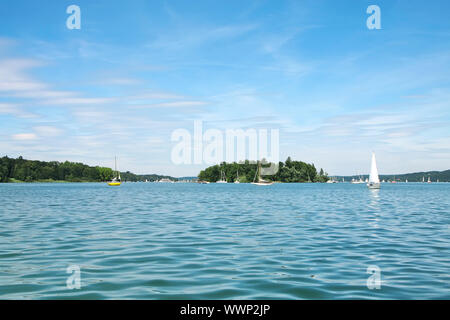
x=288 y=171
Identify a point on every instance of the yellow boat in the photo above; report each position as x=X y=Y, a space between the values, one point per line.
x=115 y=182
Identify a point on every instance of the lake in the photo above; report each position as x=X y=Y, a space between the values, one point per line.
x=225 y=241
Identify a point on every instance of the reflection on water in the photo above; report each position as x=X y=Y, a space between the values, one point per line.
x=189 y=241
x=374 y=195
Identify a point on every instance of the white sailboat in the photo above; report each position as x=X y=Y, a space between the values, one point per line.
x=237 y=177
x=222 y=178
x=357 y=181
x=259 y=181
x=374 y=179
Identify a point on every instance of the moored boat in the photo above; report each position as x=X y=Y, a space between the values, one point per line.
x=258 y=181
x=116 y=181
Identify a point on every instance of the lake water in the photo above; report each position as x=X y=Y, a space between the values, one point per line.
x=190 y=241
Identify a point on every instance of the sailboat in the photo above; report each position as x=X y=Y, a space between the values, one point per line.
x=237 y=177
x=222 y=178
x=259 y=181
x=357 y=181
x=374 y=179
x=429 y=180
x=116 y=180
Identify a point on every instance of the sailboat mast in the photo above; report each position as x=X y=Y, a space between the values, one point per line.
x=115 y=167
x=256 y=173
x=259 y=172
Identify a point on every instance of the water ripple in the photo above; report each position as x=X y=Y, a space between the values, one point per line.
x=189 y=241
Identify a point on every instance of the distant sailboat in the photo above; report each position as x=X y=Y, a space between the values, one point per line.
x=237 y=177
x=429 y=180
x=259 y=181
x=116 y=180
x=374 y=179
x=357 y=181
x=222 y=178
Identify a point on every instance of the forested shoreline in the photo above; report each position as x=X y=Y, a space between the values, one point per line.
x=22 y=170
x=288 y=171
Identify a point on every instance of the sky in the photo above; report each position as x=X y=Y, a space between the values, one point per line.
x=138 y=70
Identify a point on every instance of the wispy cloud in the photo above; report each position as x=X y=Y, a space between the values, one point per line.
x=175 y=104
x=24 y=136
x=47 y=131
x=15 y=110
x=197 y=36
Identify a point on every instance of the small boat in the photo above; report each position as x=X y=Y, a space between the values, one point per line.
x=115 y=182
x=223 y=179
x=258 y=181
x=429 y=180
x=237 y=177
x=374 y=179
x=357 y=181
x=165 y=180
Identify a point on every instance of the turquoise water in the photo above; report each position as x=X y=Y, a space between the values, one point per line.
x=190 y=241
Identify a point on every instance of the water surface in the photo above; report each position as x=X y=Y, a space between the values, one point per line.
x=190 y=241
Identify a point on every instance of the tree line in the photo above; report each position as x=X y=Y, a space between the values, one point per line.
x=22 y=170
x=289 y=171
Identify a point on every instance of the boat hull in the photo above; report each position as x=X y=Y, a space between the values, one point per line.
x=372 y=185
x=262 y=184
x=114 y=184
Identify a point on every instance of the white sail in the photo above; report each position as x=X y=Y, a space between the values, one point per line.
x=373 y=178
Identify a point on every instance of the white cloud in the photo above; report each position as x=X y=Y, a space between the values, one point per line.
x=175 y=104
x=119 y=81
x=78 y=101
x=24 y=136
x=47 y=131
x=15 y=110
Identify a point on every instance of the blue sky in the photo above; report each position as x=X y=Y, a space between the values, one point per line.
x=138 y=70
